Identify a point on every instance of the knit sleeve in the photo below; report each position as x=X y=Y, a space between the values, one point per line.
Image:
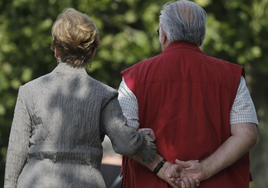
x=125 y=141
x=18 y=142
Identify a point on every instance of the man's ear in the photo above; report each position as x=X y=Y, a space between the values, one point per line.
x=163 y=35
x=56 y=53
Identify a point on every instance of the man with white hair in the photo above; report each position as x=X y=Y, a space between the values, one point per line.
x=198 y=106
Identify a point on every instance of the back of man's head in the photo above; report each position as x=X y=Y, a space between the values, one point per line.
x=184 y=21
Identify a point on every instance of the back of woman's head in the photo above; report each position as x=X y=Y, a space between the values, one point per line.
x=75 y=36
x=184 y=21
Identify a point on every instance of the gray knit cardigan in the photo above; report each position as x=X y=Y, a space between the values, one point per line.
x=59 y=124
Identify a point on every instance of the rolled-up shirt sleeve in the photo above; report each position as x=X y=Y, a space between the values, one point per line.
x=243 y=109
x=129 y=105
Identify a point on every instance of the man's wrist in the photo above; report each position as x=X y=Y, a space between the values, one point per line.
x=161 y=172
x=159 y=166
x=205 y=169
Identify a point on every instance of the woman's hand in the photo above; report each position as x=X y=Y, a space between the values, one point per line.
x=152 y=135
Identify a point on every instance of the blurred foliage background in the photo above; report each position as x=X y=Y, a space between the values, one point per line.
x=237 y=31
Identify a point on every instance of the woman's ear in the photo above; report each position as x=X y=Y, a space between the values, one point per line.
x=92 y=55
x=56 y=53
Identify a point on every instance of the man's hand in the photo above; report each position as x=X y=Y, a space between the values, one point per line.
x=192 y=171
x=243 y=137
x=170 y=173
x=175 y=176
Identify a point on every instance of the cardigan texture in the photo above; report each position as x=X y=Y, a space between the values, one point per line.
x=59 y=123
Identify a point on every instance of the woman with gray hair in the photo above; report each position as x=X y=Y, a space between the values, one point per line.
x=61 y=118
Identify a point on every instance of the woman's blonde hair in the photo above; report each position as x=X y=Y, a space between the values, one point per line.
x=75 y=36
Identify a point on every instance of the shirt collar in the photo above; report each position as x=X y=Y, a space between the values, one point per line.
x=65 y=68
x=177 y=45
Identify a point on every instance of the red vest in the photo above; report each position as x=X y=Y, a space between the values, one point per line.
x=185 y=96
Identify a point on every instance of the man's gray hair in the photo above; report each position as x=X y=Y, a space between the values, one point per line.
x=184 y=21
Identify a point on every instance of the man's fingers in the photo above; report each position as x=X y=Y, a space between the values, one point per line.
x=178 y=182
x=186 y=182
x=192 y=183
x=197 y=182
x=178 y=168
x=183 y=184
x=185 y=164
x=176 y=175
x=173 y=184
x=173 y=175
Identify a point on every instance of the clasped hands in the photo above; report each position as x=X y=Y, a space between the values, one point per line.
x=181 y=174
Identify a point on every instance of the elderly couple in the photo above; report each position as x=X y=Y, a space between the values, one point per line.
x=198 y=108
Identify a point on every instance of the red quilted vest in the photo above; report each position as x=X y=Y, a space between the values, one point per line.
x=185 y=96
